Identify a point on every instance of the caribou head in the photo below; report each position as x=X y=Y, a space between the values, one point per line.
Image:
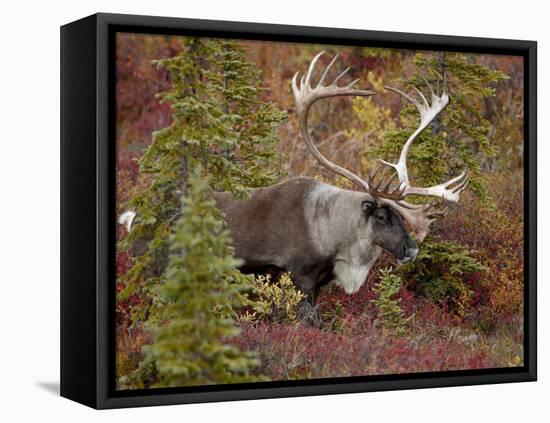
x=386 y=229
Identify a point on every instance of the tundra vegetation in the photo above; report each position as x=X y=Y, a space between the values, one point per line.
x=196 y=115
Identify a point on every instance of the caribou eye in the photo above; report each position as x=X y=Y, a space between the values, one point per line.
x=383 y=215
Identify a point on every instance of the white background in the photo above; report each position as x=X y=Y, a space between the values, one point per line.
x=29 y=213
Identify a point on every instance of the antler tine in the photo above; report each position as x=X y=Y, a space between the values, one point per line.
x=311 y=68
x=340 y=76
x=325 y=72
x=404 y=95
x=372 y=175
x=388 y=182
x=384 y=191
x=462 y=185
x=432 y=93
x=426 y=104
x=445 y=85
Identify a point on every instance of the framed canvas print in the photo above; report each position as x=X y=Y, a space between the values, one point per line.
x=255 y=211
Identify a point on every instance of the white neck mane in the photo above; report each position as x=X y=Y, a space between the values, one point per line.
x=333 y=218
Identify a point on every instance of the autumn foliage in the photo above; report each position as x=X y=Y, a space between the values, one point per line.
x=458 y=306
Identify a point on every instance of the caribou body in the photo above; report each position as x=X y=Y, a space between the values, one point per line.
x=315 y=231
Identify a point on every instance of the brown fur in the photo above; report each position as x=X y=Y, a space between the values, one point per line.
x=269 y=231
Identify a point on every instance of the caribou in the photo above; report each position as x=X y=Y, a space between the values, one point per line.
x=321 y=233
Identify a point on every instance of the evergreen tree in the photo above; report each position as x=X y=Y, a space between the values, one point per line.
x=458 y=138
x=254 y=159
x=441 y=272
x=218 y=122
x=389 y=309
x=195 y=317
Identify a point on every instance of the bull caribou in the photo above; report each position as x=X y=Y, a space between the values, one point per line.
x=319 y=232
x=322 y=233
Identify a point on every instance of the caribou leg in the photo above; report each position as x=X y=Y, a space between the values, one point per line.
x=310 y=285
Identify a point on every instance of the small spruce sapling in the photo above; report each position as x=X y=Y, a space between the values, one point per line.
x=389 y=311
x=201 y=289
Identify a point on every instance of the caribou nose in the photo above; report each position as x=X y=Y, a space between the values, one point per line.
x=410 y=251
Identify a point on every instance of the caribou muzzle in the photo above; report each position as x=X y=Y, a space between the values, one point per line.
x=409 y=251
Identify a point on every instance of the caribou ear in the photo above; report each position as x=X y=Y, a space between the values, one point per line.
x=368 y=207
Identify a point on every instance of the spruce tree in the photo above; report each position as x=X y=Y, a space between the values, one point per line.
x=195 y=317
x=390 y=313
x=219 y=125
x=218 y=122
x=458 y=138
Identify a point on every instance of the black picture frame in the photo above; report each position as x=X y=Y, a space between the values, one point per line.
x=87 y=210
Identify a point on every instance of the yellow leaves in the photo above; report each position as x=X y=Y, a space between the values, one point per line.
x=277 y=301
x=515 y=361
x=374 y=119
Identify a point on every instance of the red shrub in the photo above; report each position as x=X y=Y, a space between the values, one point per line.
x=496 y=239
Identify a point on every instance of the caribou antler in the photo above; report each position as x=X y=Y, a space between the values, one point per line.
x=447 y=191
x=305 y=95
x=419 y=217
